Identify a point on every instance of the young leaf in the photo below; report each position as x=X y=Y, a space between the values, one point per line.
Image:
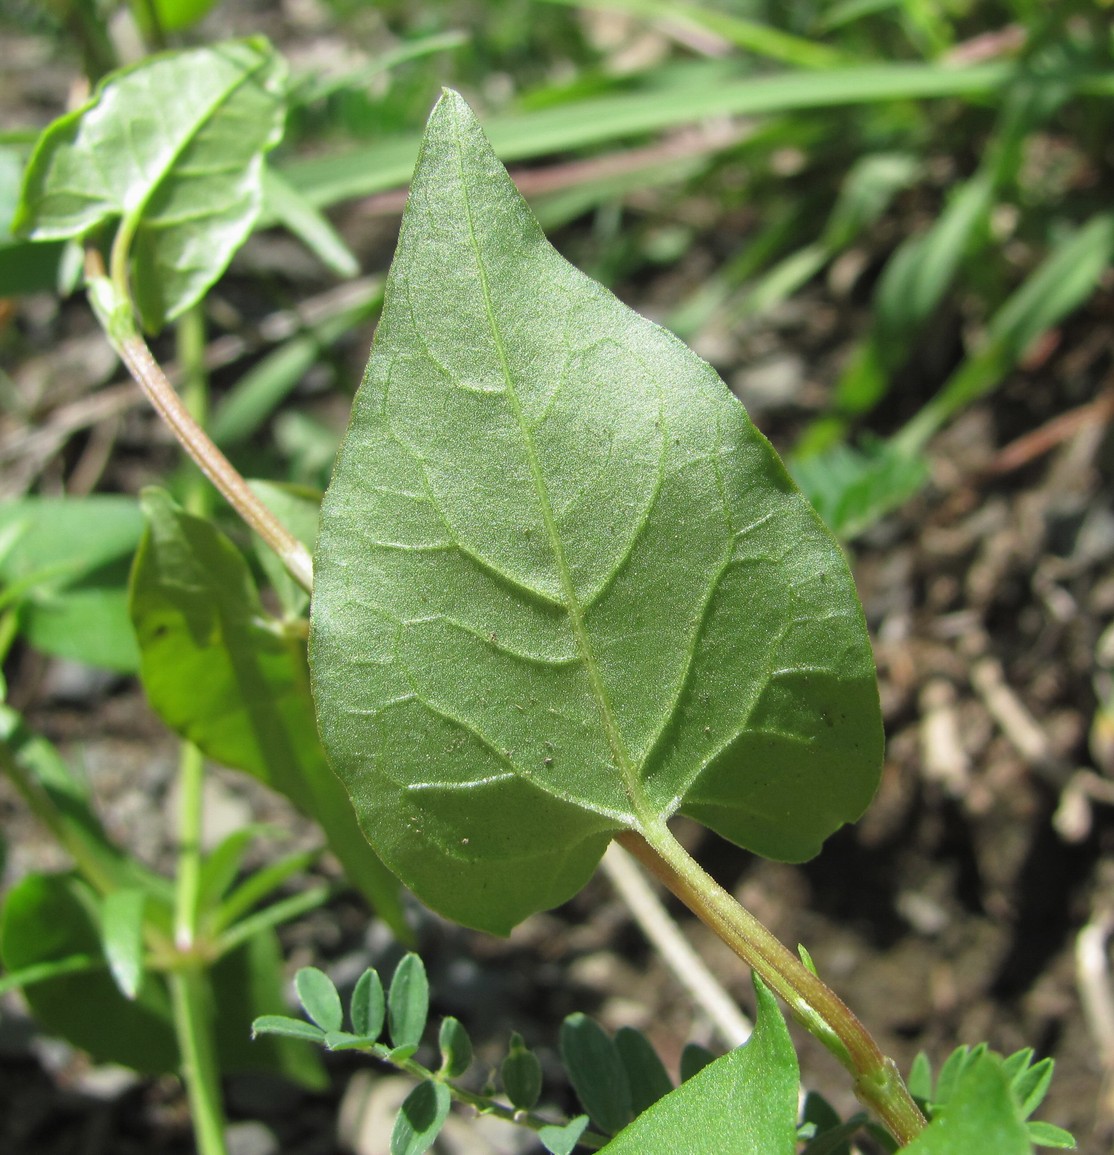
x=980 y=1113
x=171 y=148
x=563 y=587
x=222 y=673
x=369 y=1006
x=522 y=1074
x=1049 y=1135
x=287 y=1027
x=319 y=998
x=920 y=1078
x=649 y=1081
x=408 y=1002
x=456 y=1048
x=596 y=1072
x=744 y=1102
x=562 y=1140
x=420 y=1119
x=122 y=937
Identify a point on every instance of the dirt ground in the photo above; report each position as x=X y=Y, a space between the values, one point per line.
x=974 y=900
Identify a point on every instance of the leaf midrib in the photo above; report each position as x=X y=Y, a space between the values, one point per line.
x=626 y=764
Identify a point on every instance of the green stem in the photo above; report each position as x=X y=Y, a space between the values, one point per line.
x=190 y=993
x=812 y=1002
x=191 y=782
x=113 y=311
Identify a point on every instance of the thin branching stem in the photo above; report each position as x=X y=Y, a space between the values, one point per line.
x=115 y=314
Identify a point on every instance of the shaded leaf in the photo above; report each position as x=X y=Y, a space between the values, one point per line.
x=522 y=1074
x=230 y=678
x=649 y=1081
x=744 y=1102
x=694 y=1058
x=596 y=1072
x=420 y=1119
x=563 y=586
x=289 y=1028
x=171 y=150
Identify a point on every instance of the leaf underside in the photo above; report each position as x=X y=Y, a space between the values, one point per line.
x=563 y=586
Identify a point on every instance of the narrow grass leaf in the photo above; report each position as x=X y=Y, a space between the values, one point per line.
x=408 y=1002
x=319 y=997
x=420 y=1119
x=122 y=937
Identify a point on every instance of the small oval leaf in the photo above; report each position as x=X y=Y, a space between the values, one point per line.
x=420 y=1119
x=368 y=1007
x=286 y=1026
x=456 y=1048
x=319 y=998
x=596 y=1072
x=522 y=1074
x=408 y=1002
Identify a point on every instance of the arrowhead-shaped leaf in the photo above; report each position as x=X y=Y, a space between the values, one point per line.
x=173 y=149
x=564 y=587
x=744 y=1102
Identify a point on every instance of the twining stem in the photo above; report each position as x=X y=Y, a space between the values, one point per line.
x=812 y=1002
x=114 y=312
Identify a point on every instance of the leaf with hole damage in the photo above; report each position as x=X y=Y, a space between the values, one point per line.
x=564 y=588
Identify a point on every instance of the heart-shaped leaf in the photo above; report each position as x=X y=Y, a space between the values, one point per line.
x=185 y=133
x=564 y=588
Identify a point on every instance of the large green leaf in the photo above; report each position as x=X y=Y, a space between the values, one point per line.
x=745 y=1102
x=171 y=148
x=233 y=680
x=564 y=587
